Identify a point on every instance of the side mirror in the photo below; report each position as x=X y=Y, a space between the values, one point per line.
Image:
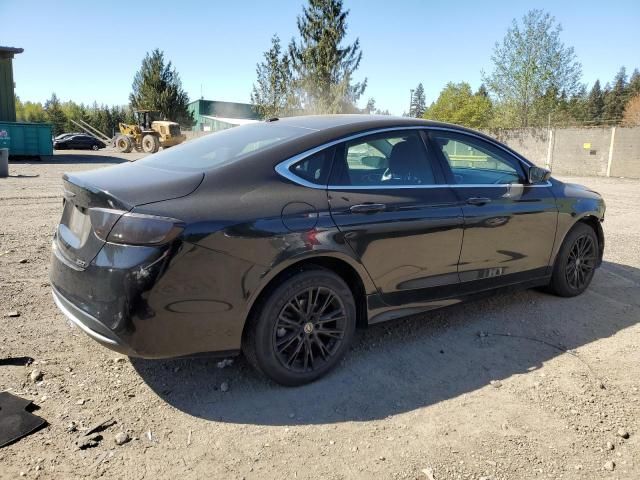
x=538 y=174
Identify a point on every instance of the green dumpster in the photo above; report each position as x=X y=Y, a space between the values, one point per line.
x=27 y=139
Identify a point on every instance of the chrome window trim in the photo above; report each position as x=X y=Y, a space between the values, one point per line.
x=283 y=168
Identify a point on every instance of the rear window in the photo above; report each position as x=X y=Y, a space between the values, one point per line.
x=224 y=147
x=314 y=168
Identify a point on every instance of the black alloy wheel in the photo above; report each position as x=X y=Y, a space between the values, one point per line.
x=302 y=328
x=309 y=329
x=576 y=262
x=581 y=262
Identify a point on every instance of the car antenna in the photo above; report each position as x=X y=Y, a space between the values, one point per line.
x=272 y=119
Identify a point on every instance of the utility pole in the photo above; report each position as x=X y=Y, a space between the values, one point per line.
x=549 y=143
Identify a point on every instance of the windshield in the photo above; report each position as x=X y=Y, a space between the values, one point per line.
x=223 y=147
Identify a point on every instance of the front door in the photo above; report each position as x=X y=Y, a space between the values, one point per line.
x=388 y=199
x=509 y=224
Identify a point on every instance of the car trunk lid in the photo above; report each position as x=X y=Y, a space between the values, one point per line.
x=117 y=189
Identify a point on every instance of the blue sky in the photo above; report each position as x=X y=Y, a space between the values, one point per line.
x=89 y=51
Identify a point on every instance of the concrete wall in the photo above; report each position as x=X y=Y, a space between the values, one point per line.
x=626 y=153
x=579 y=151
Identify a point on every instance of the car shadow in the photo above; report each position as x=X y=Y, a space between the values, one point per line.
x=400 y=366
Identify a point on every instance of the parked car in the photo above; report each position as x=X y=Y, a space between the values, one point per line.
x=278 y=239
x=65 y=135
x=76 y=141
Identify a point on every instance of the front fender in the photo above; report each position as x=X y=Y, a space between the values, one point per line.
x=577 y=204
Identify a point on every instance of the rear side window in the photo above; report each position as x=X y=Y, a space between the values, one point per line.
x=388 y=159
x=224 y=147
x=314 y=168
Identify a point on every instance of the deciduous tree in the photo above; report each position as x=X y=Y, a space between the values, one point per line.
x=457 y=104
x=631 y=116
x=30 y=111
x=530 y=61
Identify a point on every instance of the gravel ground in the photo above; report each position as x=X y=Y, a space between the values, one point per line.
x=519 y=385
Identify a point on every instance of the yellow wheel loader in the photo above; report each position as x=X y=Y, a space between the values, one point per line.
x=148 y=135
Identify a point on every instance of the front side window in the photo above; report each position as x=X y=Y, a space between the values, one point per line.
x=383 y=160
x=474 y=161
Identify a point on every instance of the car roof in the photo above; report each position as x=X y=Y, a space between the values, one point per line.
x=321 y=122
x=322 y=129
x=342 y=124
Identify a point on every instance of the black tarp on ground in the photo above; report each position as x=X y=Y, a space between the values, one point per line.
x=15 y=421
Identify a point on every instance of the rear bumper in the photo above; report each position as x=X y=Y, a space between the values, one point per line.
x=90 y=325
x=150 y=302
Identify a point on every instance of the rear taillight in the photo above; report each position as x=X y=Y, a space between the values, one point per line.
x=116 y=226
x=103 y=220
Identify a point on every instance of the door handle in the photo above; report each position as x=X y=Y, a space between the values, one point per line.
x=478 y=200
x=368 y=208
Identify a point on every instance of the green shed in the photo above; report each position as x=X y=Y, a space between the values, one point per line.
x=7 y=98
x=214 y=115
x=21 y=138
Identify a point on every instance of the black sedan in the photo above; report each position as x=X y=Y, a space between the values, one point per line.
x=78 y=141
x=278 y=239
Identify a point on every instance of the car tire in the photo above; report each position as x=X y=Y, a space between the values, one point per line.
x=312 y=313
x=576 y=262
x=95 y=147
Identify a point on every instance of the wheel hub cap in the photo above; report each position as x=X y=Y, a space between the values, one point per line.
x=308 y=328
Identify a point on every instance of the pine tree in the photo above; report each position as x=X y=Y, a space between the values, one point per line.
x=371 y=106
x=595 y=104
x=482 y=91
x=616 y=99
x=418 y=102
x=272 y=93
x=55 y=115
x=634 y=84
x=157 y=87
x=324 y=67
x=578 y=104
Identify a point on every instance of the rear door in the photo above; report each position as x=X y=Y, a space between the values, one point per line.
x=388 y=199
x=509 y=225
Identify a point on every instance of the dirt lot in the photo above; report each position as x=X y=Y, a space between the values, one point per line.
x=516 y=386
